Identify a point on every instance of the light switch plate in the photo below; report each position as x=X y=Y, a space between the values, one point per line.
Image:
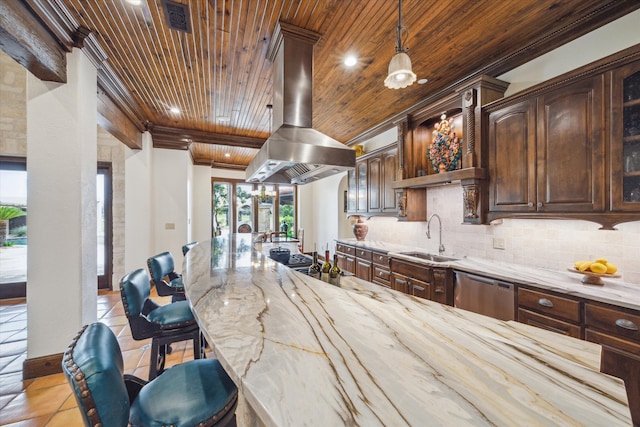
x=169 y=226
x=499 y=243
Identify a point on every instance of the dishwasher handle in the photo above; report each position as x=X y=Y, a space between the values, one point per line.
x=480 y=279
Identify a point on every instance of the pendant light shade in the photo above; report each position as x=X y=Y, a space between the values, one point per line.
x=400 y=73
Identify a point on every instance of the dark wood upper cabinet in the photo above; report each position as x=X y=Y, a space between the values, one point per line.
x=547 y=153
x=512 y=158
x=625 y=138
x=369 y=189
x=362 y=190
x=570 y=148
x=375 y=176
x=389 y=172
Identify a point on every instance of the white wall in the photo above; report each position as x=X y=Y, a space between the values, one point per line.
x=320 y=212
x=611 y=38
x=169 y=201
x=138 y=219
x=201 y=219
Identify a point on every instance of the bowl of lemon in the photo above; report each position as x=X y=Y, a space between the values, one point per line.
x=594 y=271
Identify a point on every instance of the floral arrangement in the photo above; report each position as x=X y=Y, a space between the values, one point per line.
x=444 y=150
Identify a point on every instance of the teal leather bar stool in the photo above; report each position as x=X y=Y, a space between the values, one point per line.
x=164 y=324
x=164 y=277
x=195 y=393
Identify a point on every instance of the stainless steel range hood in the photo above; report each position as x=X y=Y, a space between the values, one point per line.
x=296 y=153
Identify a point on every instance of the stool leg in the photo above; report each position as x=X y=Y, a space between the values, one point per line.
x=197 y=346
x=157 y=359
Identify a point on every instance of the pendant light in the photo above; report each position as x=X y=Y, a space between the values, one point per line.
x=400 y=73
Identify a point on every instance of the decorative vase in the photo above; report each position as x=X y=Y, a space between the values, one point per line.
x=360 y=229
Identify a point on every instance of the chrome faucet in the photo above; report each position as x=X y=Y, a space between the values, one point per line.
x=441 y=247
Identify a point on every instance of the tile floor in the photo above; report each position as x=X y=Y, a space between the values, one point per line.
x=47 y=401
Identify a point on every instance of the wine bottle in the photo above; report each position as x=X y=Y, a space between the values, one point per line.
x=326 y=265
x=334 y=273
x=314 y=268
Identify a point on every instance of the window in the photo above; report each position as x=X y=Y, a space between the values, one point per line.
x=104 y=216
x=13 y=232
x=241 y=207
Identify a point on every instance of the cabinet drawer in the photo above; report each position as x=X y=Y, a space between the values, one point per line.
x=620 y=323
x=350 y=250
x=364 y=254
x=549 y=323
x=380 y=259
x=612 y=341
x=556 y=306
x=381 y=275
x=411 y=270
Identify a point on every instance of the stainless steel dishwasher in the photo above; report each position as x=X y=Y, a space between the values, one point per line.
x=484 y=295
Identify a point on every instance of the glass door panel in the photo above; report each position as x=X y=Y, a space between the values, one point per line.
x=104 y=224
x=222 y=209
x=13 y=228
x=286 y=211
x=244 y=206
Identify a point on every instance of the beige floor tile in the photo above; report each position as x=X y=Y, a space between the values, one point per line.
x=31 y=422
x=69 y=403
x=35 y=403
x=48 y=381
x=67 y=418
x=132 y=358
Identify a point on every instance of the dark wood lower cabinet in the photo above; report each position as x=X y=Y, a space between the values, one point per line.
x=549 y=323
x=363 y=269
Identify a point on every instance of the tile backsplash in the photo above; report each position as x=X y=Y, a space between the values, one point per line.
x=545 y=243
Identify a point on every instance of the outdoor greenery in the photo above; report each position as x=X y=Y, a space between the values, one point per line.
x=7 y=213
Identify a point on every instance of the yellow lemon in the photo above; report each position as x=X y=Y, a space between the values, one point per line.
x=577 y=264
x=601 y=261
x=611 y=268
x=598 y=267
x=584 y=266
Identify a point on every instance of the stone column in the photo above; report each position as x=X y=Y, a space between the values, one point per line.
x=61 y=191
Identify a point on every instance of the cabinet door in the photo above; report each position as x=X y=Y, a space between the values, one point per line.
x=352 y=191
x=570 y=148
x=400 y=282
x=389 y=172
x=363 y=269
x=419 y=288
x=512 y=158
x=361 y=177
x=625 y=138
x=374 y=180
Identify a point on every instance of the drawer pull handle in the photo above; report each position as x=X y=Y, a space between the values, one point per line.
x=627 y=324
x=545 y=302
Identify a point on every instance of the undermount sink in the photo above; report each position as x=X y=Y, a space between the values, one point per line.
x=429 y=257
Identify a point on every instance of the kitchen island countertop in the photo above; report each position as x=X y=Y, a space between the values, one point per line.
x=304 y=352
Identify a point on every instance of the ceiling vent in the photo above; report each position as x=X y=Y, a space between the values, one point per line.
x=177 y=16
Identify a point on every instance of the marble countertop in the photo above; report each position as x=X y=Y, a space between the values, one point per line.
x=614 y=291
x=306 y=353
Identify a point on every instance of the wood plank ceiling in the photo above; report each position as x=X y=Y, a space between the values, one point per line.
x=218 y=68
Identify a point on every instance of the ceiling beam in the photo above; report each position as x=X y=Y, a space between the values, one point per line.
x=26 y=40
x=113 y=120
x=168 y=136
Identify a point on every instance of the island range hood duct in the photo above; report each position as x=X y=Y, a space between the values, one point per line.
x=296 y=153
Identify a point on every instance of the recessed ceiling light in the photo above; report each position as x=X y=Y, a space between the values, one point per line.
x=134 y=2
x=174 y=110
x=227 y=155
x=350 y=61
x=422 y=81
x=224 y=119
